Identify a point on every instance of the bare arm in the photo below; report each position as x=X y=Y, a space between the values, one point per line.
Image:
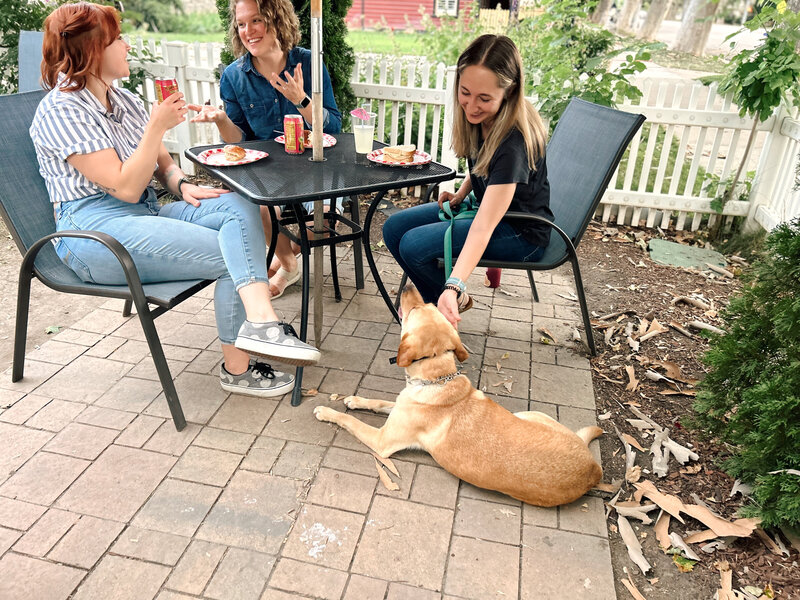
x=228 y=130
x=493 y=207
x=127 y=180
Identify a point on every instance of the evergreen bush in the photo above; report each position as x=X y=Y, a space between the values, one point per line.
x=338 y=56
x=751 y=396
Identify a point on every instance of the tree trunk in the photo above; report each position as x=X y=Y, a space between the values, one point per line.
x=655 y=16
x=698 y=16
x=513 y=13
x=600 y=14
x=628 y=15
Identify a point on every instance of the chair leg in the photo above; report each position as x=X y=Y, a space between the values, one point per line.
x=337 y=293
x=21 y=328
x=160 y=361
x=403 y=281
x=126 y=310
x=533 y=286
x=587 y=325
x=358 y=255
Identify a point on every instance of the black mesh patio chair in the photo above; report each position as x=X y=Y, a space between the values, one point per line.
x=582 y=155
x=26 y=209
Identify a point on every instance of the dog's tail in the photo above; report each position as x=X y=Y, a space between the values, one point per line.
x=587 y=434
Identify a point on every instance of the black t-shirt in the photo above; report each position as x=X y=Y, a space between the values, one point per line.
x=510 y=165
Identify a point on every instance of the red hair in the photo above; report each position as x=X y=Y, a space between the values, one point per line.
x=75 y=36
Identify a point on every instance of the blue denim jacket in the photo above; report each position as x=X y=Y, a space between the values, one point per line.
x=258 y=109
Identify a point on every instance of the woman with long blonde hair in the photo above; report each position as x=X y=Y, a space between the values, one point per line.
x=503 y=139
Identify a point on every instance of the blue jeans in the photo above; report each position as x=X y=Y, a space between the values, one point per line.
x=221 y=239
x=415 y=237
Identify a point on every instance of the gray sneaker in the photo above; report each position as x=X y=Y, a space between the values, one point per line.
x=259 y=380
x=277 y=341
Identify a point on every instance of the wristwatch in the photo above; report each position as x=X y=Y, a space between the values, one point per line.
x=303 y=103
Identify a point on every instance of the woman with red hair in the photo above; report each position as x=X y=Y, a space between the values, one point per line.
x=98 y=151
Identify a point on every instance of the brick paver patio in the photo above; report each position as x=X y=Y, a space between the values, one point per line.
x=100 y=497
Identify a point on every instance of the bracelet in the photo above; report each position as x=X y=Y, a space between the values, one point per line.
x=455 y=281
x=455 y=288
x=181 y=181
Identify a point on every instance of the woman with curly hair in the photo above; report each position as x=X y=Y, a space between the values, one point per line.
x=270 y=78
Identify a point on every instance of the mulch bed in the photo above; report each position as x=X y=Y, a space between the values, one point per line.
x=619 y=276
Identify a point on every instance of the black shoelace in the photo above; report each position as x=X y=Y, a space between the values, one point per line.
x=288 y=329
x=263 y=369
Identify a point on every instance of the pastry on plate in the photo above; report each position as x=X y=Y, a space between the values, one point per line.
x=400 y=154
x=234 y=153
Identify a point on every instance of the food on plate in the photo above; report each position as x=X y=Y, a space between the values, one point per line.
x=234 y=153
x=403 y=153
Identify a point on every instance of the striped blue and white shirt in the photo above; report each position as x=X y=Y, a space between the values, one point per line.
x=68 y=123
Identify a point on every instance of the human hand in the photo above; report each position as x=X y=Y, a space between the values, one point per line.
x=206 y=113
x=291 y=87
x=450 y=197
x=448 y=306
x=170 y=112
x=192 y=194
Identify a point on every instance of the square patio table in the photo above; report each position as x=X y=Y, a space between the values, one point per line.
x=291 y=179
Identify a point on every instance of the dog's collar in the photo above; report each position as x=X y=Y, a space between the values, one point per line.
x=393 y=359
x=438 y=381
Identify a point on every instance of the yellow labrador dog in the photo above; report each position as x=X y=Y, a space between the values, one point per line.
x=527 y=455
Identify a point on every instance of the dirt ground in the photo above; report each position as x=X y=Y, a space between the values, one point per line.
x=619 y=276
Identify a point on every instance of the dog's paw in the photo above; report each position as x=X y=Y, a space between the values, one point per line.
x=324 y=413
x=352 y=402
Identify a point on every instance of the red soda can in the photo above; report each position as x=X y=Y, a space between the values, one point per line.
x=293 y=134
x=165 y=87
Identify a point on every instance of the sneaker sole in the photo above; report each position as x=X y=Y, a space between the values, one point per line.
x=261 y=393
x=298 y=357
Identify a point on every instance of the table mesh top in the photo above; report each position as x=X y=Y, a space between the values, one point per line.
x=283 y=177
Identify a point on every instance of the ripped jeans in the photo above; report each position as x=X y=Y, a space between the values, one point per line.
x=222 y=239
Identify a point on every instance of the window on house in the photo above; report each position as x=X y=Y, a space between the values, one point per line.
x=448 y=8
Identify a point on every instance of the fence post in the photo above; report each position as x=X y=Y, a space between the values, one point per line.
x=448 y=156
x=176 y=55
x=766 y=189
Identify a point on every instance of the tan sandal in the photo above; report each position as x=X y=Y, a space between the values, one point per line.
x=464 y=302
x=283 y=279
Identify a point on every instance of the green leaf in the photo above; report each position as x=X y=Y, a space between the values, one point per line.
x=52 y=329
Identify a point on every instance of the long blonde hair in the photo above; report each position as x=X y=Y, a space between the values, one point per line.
x=279 y=16
x=498 y=54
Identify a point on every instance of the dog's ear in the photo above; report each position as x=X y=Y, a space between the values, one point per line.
x=405 y=352
x=461 y=352
x=458 y=348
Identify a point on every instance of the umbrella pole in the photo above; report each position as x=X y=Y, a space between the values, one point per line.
x=316 y=141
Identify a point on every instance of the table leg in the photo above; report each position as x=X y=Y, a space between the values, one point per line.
x=370 y=260
x=274 y=239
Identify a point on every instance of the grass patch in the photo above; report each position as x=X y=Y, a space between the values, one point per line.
x=385 y=42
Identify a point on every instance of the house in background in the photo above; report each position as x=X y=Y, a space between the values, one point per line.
x=407 y=14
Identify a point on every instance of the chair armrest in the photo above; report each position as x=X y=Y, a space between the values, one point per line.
x=521 y=216
x=117 y=249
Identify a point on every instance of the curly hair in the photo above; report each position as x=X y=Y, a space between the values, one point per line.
x=279 y=16
x=75 y=37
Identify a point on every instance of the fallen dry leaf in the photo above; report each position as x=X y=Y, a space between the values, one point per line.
x=544 y=331
x=632 y=543
x=668 y=502
x=632 y=441
x=386 y=462
x=385 y=479
x=628 y=583
x=720 y=526
x=633 y=383
x=662 y=530
x=633 y=474
x=311 y=392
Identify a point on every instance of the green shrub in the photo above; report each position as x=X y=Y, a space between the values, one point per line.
x=16 y=16
x=751 y=396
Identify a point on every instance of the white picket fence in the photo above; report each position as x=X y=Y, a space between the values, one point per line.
x=690 y=131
